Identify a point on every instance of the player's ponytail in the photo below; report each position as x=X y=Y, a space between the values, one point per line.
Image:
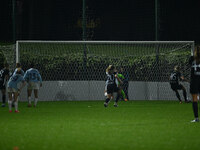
x=110 y=68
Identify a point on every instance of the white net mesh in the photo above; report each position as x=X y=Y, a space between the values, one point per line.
x=75 y=70
x=7 y=55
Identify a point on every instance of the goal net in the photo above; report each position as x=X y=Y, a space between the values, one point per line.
x=75 y=70
x=7 y=55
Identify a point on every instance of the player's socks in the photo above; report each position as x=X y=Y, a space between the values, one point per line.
x=105 y=104
x=10 y=105
x=29 y=101
x=107 y=100
x=35 y=102
x=123 y=95
x=117 y=98
x=195 y=109
x=185 y=95
x=115 y=104
x=16 y=106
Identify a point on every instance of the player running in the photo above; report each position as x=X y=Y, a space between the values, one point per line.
x=4 y=76
x=111 y=84
x=195 y=81
x=34 y=80
x=175 y=78
x=13 y=91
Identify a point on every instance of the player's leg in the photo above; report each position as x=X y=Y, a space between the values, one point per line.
x=109 y=95
x=10 y=101
x=195 y=107
x=119 y=91
x=29 y=91
x=184 y=93
x=181 y=87
x=16 y=101
x=195 y=90
x=36 y=97
x=123 y=95
x=178 y=95
x=3 y=92
x=175 y=88
x=36 y=90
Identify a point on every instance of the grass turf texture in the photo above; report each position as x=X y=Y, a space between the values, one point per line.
x=88 y=125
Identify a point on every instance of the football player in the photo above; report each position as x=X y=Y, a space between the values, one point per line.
x=175 y=79
x=34 y=80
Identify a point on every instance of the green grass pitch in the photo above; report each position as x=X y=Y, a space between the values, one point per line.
x=87 y=125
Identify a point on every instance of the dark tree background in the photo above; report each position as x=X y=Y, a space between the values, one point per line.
x=106 y=20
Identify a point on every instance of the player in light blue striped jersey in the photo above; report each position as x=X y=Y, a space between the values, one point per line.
x=13 y=90
x=34 y=80
x=18 y=66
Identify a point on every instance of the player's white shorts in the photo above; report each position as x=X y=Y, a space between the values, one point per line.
x=33 y=85
x=11 y=90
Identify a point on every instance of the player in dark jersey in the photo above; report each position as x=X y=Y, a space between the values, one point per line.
x=175 y=79
x=111 y=84
x=195 y=81
x=4 y=76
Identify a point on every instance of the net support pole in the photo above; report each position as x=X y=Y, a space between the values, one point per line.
x=157 y=46
x=84 y=38
x=158 y=72
x=17 y=52
x=13 y=21
x=156 y=20
x=192 y=49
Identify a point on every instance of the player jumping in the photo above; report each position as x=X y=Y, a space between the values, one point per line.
x=112 y=85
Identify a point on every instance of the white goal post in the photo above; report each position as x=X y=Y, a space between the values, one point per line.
x=75 y=70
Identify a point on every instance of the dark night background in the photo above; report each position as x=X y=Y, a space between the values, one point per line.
x=106 y=20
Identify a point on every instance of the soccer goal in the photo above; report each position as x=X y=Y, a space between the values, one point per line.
x=75 y=70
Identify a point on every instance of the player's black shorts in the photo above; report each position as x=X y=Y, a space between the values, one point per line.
x=111 y=88
x=195 y=86
x=175 y=86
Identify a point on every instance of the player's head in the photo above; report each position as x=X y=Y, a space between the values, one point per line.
x=18 y=71
x=110 y=69
x=197 y=54
x=18 y=65
x=176 y=68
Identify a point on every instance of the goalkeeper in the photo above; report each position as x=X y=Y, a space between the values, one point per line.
x=123 y=95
